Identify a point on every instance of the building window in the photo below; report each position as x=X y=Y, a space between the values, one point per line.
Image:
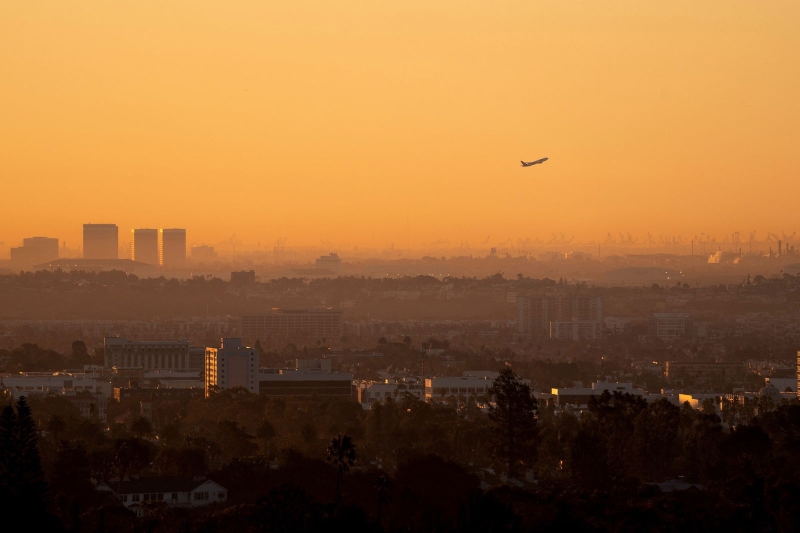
x=123 y=497
x=200 y=496
x=135 y=498
x=221 y=495
x=174 y=495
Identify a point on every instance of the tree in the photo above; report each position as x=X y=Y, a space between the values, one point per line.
x=382 y=484
x=56 y=426
x=22 y=485
x=266 y=432
x=342 y=453
x=141 y=427
x=513 y=414
x=80 y=355
x=656 y=440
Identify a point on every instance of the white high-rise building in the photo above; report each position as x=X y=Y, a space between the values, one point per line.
x=231 y=365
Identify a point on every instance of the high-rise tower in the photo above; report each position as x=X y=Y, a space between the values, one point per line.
x=100 y=241
x=172 y=247
x=144 y=246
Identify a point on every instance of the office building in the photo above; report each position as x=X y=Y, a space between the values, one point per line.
x=309 y=377
x=317 y=323
x=576 y=330
x=99 y=265
x=703 y=372
x=144 y=246
x=536 y=312
x=54 y=383
x=329 y=262
x=172 y=246
x=580 y=396
x=35 y=250
x=203 y=253
x=100 y=241
x=471 y=385
x=231 y=365
x=669 y=326
x=243 y=278
x=148 y=355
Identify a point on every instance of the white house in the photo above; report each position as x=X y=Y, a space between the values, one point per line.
x=138 y=494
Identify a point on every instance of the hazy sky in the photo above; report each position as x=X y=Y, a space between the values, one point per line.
x=314 y=120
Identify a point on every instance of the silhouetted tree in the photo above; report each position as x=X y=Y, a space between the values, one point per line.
x=513 y=414
x=22 y=485
x=142 y=427
x=80 y=355
x=266 y=432
x=56 y=427
x=382 y=484
x=342 y=453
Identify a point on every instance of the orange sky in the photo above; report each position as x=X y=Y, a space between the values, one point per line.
x=313 y=120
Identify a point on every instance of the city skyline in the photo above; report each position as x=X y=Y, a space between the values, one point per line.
x=336 y=132
x=752 y=242
x=432 y=266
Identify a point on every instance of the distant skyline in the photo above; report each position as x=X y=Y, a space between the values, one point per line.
x=696 y=243
x=367 y=124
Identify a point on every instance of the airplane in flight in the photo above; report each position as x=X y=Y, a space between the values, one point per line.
x=537 y=162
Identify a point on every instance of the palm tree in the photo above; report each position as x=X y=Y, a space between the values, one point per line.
x=342 y=453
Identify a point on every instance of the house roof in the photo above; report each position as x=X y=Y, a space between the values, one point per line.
x=156 y=484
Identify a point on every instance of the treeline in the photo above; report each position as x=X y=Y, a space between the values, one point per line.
x=418 y=466
x=32 y=358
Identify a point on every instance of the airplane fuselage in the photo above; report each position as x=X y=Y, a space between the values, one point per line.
x=537 y=162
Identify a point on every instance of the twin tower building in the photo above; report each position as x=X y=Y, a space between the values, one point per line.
x=160 y=247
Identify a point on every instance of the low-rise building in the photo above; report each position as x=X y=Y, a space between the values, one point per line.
x=135 y=394
x=318 y=323
x=670 y=326
x=576 y=330
x=31 y=383
x=705 y=371
x=309 y=377
x=140 y=495
x=243 y=278
x=783 y=384
x=369 y=393
x=467 y=387
x=91 y=406
x=580 y=396
x=329 y=262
